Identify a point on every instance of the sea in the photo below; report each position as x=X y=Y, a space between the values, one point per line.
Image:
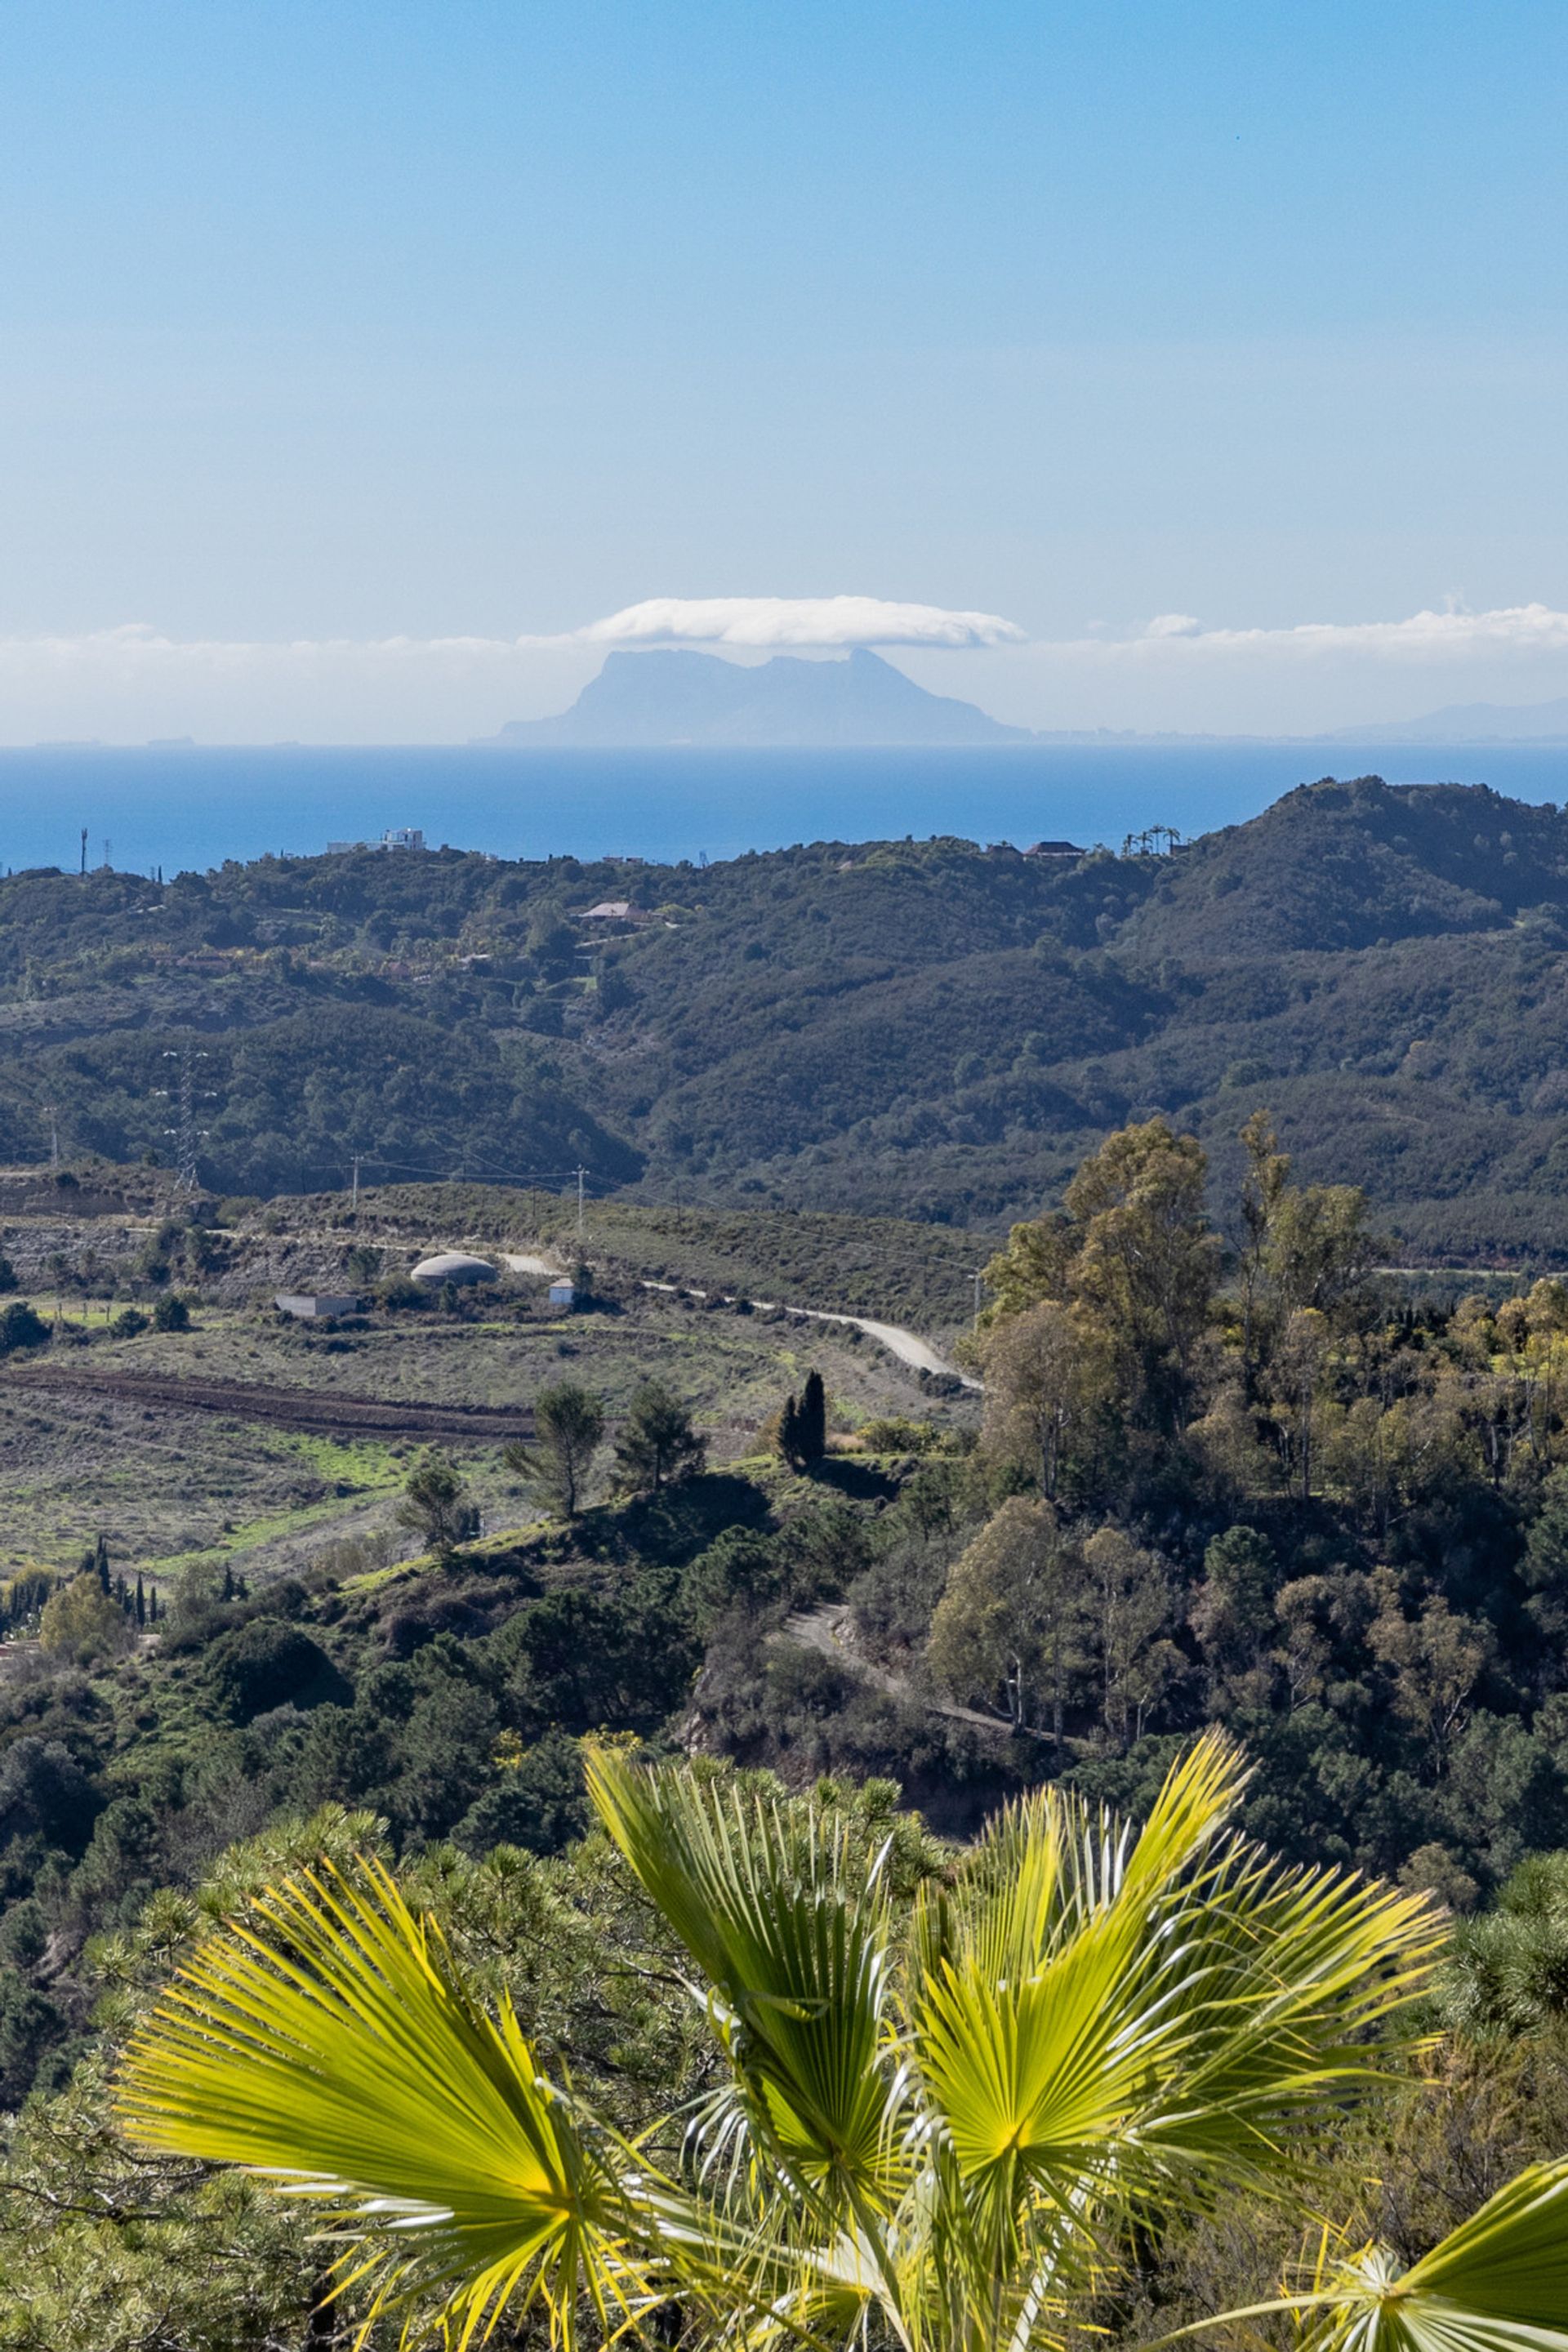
x=191 y=807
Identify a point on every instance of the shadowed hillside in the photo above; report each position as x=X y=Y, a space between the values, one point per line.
x=929 y=1029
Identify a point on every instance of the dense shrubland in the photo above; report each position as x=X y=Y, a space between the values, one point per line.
x=1229 y=1474
x=1220 y=1480
x=929 y=1028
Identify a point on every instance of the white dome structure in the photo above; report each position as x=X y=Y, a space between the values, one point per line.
x=453 y=1266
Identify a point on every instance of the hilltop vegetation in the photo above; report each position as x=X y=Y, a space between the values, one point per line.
x=1250 y=1485
x=1223 y=1470
x=1242 y=1484
x=932 y=1029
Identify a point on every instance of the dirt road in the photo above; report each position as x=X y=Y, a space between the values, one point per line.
x=908 y=1346
x=823 y=1629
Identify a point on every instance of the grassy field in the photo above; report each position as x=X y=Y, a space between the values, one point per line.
x=171 y=1488
x=920 y=1274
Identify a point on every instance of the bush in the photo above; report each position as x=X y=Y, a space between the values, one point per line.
x=20 y=1327
x=81 y=1622
x=268 y=1664
x=172 y=1314
x=539 y=1802
x=740 y=1568
x=436 y=1505
x=129 y=1322
x=658 y=1445
x=897 y=1433
x=398 y=1292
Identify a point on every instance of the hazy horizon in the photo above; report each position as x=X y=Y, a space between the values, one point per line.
x=366 y=372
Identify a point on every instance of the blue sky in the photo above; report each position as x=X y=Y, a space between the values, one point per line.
x=322 y=326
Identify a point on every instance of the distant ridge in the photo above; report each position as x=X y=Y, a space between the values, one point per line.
x=647 y=700
x=1469 y=722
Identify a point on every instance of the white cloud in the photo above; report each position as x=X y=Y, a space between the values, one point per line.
x=824 y=621
x=1423 y=637
x=130 y=683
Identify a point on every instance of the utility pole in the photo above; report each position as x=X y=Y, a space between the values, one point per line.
x=582 y=1172
x=53 y=1117
x=979 y=1286
x=354 y=1201
x=84 y=849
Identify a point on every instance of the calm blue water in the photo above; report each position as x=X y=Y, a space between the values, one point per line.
x=194 y=808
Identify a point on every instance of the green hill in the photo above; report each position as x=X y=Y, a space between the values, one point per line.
x=924 y=1029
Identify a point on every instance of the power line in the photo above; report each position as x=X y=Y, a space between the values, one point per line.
x=187 y=1135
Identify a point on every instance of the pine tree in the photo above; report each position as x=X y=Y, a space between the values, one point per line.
x=658 y=1444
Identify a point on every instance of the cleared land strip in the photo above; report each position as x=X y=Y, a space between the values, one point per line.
x=823 y=1629
x=284 y=1408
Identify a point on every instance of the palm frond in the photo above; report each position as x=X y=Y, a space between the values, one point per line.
x=1286 y=1975
x=1047 y=1863
x=1173 y=2001
x=792 y=1943
x=329 y=2045
x=1497 y=2283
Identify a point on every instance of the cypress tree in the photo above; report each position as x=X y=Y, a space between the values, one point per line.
x=141 y=1602
x=100 y=1562
x=811 y=1420
x=788 y=1439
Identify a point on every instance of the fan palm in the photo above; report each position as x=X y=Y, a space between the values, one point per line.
x=934 y=2128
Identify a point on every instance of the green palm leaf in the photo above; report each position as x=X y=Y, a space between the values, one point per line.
x=793 y=1945
x=1095 y=2016
x=1497 y=2283
x=330 y=2046
x=1087 y=1997
x=938 y=2140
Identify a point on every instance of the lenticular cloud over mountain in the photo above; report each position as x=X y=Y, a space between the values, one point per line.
x=771 y=621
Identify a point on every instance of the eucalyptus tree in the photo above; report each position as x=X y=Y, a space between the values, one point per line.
x=935 y=2128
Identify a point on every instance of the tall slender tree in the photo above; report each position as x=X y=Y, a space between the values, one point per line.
x=812 y=1423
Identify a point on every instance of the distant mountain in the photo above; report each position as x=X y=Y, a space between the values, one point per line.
x=1469 y=722
x=643 y=700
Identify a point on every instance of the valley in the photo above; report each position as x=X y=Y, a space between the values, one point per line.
x=1025 y=1315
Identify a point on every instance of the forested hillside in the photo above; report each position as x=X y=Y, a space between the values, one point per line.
x=929 y=1029
x=1243 y=1484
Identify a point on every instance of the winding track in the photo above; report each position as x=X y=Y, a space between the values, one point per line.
x=907 y=1346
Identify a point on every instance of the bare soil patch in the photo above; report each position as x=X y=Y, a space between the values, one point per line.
x=285 y=1408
